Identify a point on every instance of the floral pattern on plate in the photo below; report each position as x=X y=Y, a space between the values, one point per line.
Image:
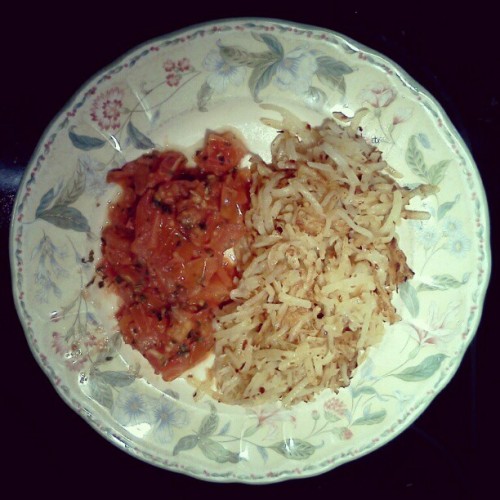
x=169 y=92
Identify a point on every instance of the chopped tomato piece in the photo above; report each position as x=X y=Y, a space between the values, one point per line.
x=226 y=236
x=222 y=153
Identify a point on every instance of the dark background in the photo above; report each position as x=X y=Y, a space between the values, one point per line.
x=47 y=52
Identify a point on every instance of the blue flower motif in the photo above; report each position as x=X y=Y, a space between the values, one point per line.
x=167 y=416
x=132 y=408
x=223 y=74
x=95 y=177
x=458 y=244
x=402 y=399
x=44 y=287
x=48 y=269
x=427 y=236
x=295 y=71
x=451 y=226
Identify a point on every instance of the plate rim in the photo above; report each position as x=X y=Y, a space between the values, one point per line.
x=407 y=80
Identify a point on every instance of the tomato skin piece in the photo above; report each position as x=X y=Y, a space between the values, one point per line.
x=199 y=272
x=226 y=236
x=229 y=207
x=170 y=163
x=216 y=292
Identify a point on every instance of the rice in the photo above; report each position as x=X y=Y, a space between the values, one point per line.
x=319 y=267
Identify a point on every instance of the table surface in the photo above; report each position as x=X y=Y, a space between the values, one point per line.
x=45 y=59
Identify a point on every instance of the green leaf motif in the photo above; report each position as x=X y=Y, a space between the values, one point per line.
x=45 y=202
x=294 y=449
x=235 y=56
x=139 y=140
x=224 y=429
x=444 y=282
x=424 y=140
x=66 y=218
x=116 y=379
x=415 y=159
x=444 y=208
x=73 y=189
x=250 y=431
x=85 y=142
x=427 y=287
x=335 y=82
x=436 y=172
x=423 y=370
x=371 y=418
x=204 y=95
x=186 y=443
x=261 y=77
x=59 y=198
x=332 y=67
x=110 y=351
x=358 y=391
x=263 y=453
x=271 y=41
x=101 y=392
x=331 y=72
x=209 y=424
x=216 y=452
x=413 y=353
x=409 y=297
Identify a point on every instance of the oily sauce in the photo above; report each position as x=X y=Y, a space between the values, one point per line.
x=165 y=248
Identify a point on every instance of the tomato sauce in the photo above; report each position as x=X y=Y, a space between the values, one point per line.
x=164 y=248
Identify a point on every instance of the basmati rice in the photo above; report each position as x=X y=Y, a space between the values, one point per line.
x=319 y=267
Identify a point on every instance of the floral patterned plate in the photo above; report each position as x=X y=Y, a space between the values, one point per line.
x=169 y=92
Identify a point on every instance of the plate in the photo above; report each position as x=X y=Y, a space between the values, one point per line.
x=168 y=92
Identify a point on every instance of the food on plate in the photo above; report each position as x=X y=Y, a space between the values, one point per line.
x=321 y=261
x=284 y=270
x=167 y=248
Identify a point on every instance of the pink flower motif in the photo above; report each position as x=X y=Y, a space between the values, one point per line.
x=272 y=420
x=336 y=406
x=58 y=343
x=97 y=344
x=173 y=80
x=379 y=95
x=106 y=109
x=169 y=65
x=401 y=116
x=346 y=433
x=76 y=364
x=91 y=341
x=441 y=326
x=183 y=64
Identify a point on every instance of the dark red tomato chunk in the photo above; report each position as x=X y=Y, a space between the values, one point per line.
x=164 y=248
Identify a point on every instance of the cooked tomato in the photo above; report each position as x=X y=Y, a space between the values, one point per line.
x=163 y=249
x=222 y=153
